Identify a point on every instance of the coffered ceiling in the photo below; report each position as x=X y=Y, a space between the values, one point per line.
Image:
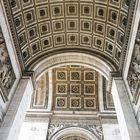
x=73 y=88
x=44 y=27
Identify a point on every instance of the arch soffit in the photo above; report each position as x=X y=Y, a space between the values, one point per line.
x=73 y=58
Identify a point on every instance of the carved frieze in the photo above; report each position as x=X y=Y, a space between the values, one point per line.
x=57 y=125
x=7 y=76
x=73 y=138
x=134 y=70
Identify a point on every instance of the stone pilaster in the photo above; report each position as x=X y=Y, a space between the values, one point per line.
x=16 y=112
x=127 y=122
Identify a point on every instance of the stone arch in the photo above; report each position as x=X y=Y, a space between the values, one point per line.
x=74 y=131
x=73 y=58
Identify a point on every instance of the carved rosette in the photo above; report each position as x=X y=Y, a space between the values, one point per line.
x=75 y=88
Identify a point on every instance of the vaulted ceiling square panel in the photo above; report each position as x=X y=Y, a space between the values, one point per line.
x=42 y=26
x=75 y=88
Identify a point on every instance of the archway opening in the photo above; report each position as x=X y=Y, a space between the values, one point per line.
x=71 y=90
x=75 y=133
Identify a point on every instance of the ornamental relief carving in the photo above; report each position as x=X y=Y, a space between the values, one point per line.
x=134 y=69
x=74 y=138
x=75 y=88
x=7 y=76
x=57 y=125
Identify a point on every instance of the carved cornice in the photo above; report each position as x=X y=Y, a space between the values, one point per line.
x=133 y=77
x=133 y=5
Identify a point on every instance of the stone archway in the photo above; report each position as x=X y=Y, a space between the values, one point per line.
x=77 y=58
x=74 y=132
x=103 y=67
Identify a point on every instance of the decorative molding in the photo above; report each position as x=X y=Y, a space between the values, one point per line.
x=132 y=6
x=73 y=138
x=57 y=125
x=74 y=58
x=109 y=121
x=7 y=10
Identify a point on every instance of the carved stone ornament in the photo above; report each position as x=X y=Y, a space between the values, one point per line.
x=74 y=138
x=57 y=125
x=75 y=88
x=7 y=76
x=134 y=70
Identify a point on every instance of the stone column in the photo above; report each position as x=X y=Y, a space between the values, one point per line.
x=17 y=109
x=127 y=122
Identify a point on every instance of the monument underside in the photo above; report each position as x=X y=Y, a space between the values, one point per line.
x=73 y=72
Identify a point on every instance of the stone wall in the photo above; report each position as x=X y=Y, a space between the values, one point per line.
x=45 y=128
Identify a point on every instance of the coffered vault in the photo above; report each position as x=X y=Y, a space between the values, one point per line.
x=41 y=28
x=69 y=64
x=74 y=88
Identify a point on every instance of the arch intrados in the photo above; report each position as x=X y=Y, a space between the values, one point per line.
x=59 y=65
x=73 y=58
x=77 y=131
